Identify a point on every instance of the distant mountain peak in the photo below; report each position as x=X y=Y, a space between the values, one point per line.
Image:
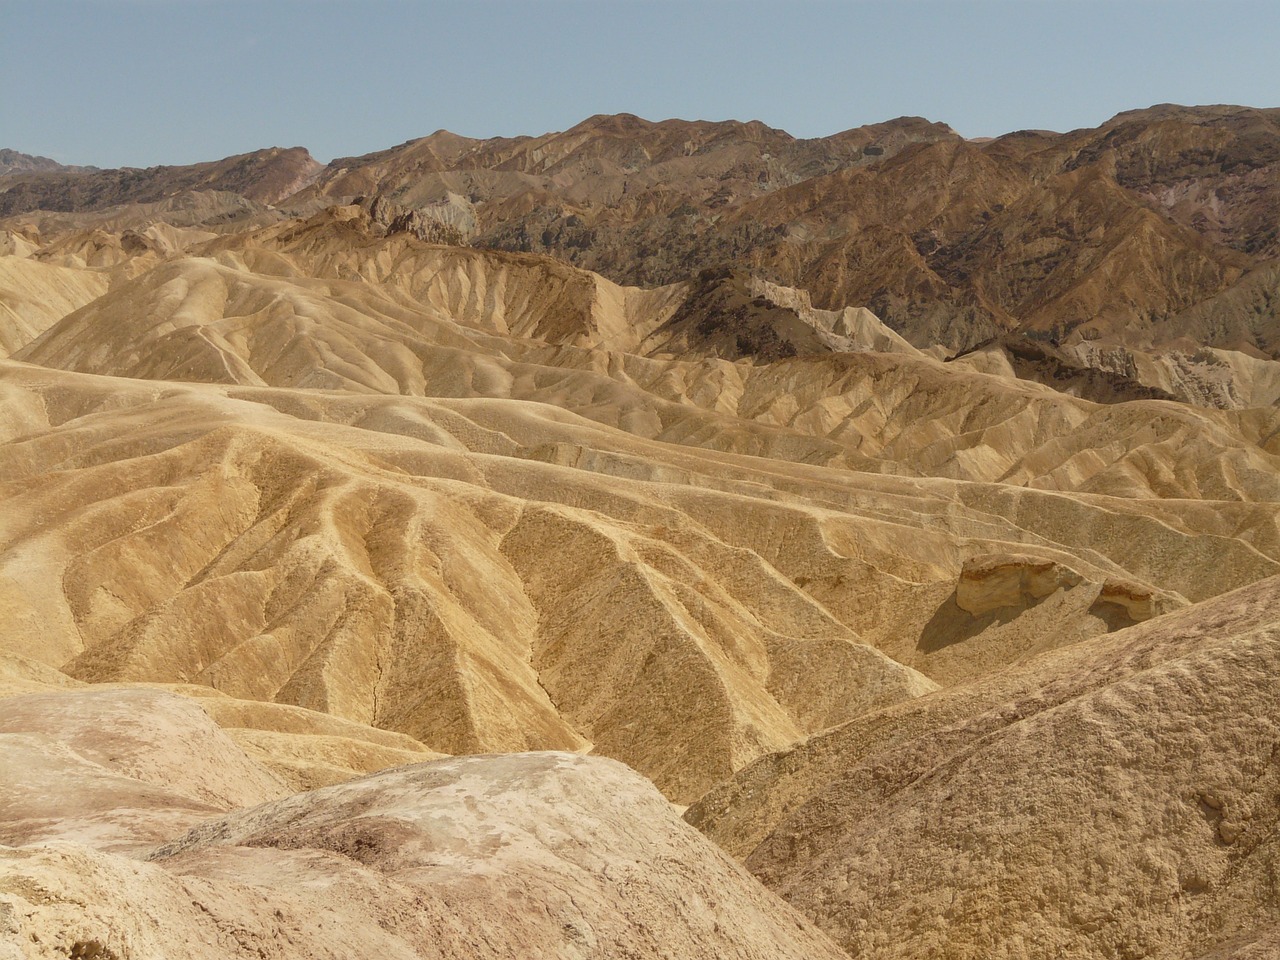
x=12 y=161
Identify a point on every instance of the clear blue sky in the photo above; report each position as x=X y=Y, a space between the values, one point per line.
x=141 y=82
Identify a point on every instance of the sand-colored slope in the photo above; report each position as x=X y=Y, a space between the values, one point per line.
x=528 y=297
x=302 y=748
x=34 y=296
x=369 y=573
x=485 y=857
x=1118 y=797
x=117 y=769
x=494 y=575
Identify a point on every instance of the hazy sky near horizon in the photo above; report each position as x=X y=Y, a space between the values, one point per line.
x=143 y=82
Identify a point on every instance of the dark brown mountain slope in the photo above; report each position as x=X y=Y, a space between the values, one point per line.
x=266 y=176
x=1215 y=169
x=1114 y=229
x=11 y=161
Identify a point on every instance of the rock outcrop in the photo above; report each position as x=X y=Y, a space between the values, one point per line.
x=545 y=853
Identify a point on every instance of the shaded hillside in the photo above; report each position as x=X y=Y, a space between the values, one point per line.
x=1118 y=798
x=266 y=176
x=949 y=242
x=11 y=162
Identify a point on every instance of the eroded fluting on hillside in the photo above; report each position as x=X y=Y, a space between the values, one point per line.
x=399 y=563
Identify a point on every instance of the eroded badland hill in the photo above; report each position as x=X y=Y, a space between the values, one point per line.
x=392 y=550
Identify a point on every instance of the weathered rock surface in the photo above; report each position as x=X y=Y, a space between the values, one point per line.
x=116 y=769
x=539 y=854
x=1008 y=580
x=1119 y=797
x=1114 y=230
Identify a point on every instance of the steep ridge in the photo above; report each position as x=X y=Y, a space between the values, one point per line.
x=606 y=168
x=385 y=592
x=118 y=770
x=1115 y=373
x=527 y=297
x=1211 y=168
x=733 y=316
x=35 y=295
x=416 y=319
x=949 y=241
x=1241 y=318
x=302 y=749
x=1117 y=797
